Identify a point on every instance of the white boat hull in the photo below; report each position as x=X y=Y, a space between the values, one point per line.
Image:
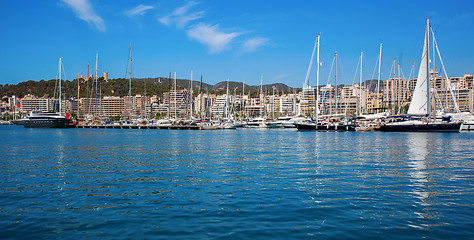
x=469 y=126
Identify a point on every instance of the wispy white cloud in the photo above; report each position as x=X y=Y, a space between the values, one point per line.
x=281 y=76
x=181 y=17
x=251 y=45
x=211 y=37
x=215 y=39
x=139 y=10
x=84 y=11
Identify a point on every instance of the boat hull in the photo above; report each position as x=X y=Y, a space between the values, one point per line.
x=318 y=127
x=210 y=127
x=428 y=127
x=469 y=126
x=46 y=123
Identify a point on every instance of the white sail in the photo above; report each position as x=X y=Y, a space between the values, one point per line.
x=420 y=104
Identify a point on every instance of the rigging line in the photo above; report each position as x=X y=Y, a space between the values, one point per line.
x=375 y=69
x=65 y=77
x=401 y=71
x=391 y=69
x=330 y=71
x=353 y=80
x=456 y=106
x=355 y=74
x=128 y=60
x=56 y=84
x=342 y=75
x=341 y=72
x=412 y=70
x=310 y=64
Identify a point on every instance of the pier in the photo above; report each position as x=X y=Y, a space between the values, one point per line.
x=131 y=126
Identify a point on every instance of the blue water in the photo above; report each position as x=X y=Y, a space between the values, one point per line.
x=234 y=184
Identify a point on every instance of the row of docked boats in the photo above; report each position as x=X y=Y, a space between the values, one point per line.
x=419 y=117
x=399 y=123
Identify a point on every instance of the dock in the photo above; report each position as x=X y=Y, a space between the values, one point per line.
x=131 y=126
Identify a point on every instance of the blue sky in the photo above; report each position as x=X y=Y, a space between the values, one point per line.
x=240 y=40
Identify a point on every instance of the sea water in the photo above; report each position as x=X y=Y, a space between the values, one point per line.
x=234 y=184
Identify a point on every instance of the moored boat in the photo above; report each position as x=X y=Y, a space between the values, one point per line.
x=337 y=127
x=419 y=117
x=47 y=119
x=44 y=120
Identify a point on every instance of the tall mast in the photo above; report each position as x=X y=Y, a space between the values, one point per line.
x=395 y=80
x=169 y=96
x=360 y=84
x=242 y=101
x=174 y=100
x=60 y=62
x=200 y=101
x=260 y=94
x=191 y=98
x=434 y=58
x=378 y=78
x=273 y=103
x=427 y=42
x=226 y=114
x=335 y=79
x=78 y=77
x=398 y=90
x=242 y=108
x=96 y=80
x=317 y=80
x=87 y=87
x=130 y=82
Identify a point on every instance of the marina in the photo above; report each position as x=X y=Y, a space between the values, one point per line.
x=246 y=120
x=240 y=184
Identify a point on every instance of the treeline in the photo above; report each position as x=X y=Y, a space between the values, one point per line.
x=120 y=87
x=113 y=87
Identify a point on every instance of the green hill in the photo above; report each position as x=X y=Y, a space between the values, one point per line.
x=120 y=87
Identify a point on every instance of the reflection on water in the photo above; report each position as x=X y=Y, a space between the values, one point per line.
x=418 y=151
x=239 y=184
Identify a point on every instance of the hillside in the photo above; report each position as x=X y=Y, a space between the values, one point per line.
x=120 y=87
x=154 y=86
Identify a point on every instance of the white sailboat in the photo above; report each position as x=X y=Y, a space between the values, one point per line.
x=317 y=125
x=419 y=117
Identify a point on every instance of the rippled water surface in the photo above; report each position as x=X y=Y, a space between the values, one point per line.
x=235 y=184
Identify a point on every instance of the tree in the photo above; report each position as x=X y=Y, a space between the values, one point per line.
x=73 y=115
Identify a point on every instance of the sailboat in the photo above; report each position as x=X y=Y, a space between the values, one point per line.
x=418 y=118
x=47 y=120
x=316 y=125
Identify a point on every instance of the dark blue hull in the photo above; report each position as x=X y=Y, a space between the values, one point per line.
x=429 y=127
x=46 y=123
